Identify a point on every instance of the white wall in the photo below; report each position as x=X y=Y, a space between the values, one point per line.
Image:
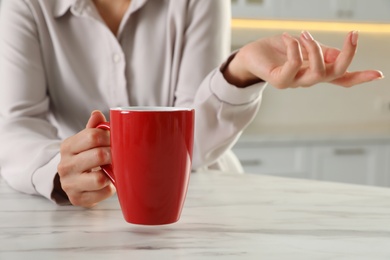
x=327 y=108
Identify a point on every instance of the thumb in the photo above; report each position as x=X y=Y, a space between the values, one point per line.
x=96 y=118
x=330 y=54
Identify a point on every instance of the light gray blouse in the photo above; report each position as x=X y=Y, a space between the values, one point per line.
x=59 y=61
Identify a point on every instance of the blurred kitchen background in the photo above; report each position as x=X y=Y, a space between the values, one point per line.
x=324 y=132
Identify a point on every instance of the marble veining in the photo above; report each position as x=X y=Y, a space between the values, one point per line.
x=226 y=216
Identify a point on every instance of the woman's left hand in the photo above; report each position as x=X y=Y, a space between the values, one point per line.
x=288 y=62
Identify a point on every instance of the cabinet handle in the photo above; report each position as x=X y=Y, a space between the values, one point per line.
x=258 y=2
x=340 y=13
x=254 y=162
x=349 y=151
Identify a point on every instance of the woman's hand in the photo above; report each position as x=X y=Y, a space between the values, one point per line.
x=81 y=155
x=288 y=62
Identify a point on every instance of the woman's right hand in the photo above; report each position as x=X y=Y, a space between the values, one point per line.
x=79 y=169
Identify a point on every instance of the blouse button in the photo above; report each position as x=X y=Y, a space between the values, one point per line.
x=116 y=58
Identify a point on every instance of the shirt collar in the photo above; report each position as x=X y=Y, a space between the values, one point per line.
x=137 y=4
x=62 y=6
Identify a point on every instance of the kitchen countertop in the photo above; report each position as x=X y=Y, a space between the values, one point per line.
x=226 y=216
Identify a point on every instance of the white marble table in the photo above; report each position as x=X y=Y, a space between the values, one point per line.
x=225 y=217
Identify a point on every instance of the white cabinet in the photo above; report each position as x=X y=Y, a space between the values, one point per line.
x=305 y=10
x=386 y=175
x=373 y=10
x=290 y=161
x=256 y=9
x=326 y=10
x=349 y=161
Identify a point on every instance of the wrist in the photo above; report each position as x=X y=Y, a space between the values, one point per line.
x=235 y=73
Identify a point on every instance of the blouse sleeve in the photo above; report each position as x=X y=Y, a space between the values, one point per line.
x=222 y=110
x=29 y=143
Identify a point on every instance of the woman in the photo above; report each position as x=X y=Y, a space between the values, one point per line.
x=62 y=59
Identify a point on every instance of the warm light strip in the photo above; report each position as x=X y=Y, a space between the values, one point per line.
x=310 y=25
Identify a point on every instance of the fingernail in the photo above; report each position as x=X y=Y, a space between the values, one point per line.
x=94 y=112
x=307 y=35
x=381 y=76
x=354 y=38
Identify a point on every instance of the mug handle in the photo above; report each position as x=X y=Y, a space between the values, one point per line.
x=107 y=169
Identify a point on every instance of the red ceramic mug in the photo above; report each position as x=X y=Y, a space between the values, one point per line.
x=151 y=150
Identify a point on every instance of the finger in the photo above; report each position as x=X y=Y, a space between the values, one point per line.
x=89 y=199
x=330 y=54
x=87 y=181
x=86 y=160
x=346 y=55
x=317 y=70
x=85 y=140
x=353 y=78
x=96 y=118
x=293 y=64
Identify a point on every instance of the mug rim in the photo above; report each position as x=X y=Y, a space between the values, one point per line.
x=150 y=109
